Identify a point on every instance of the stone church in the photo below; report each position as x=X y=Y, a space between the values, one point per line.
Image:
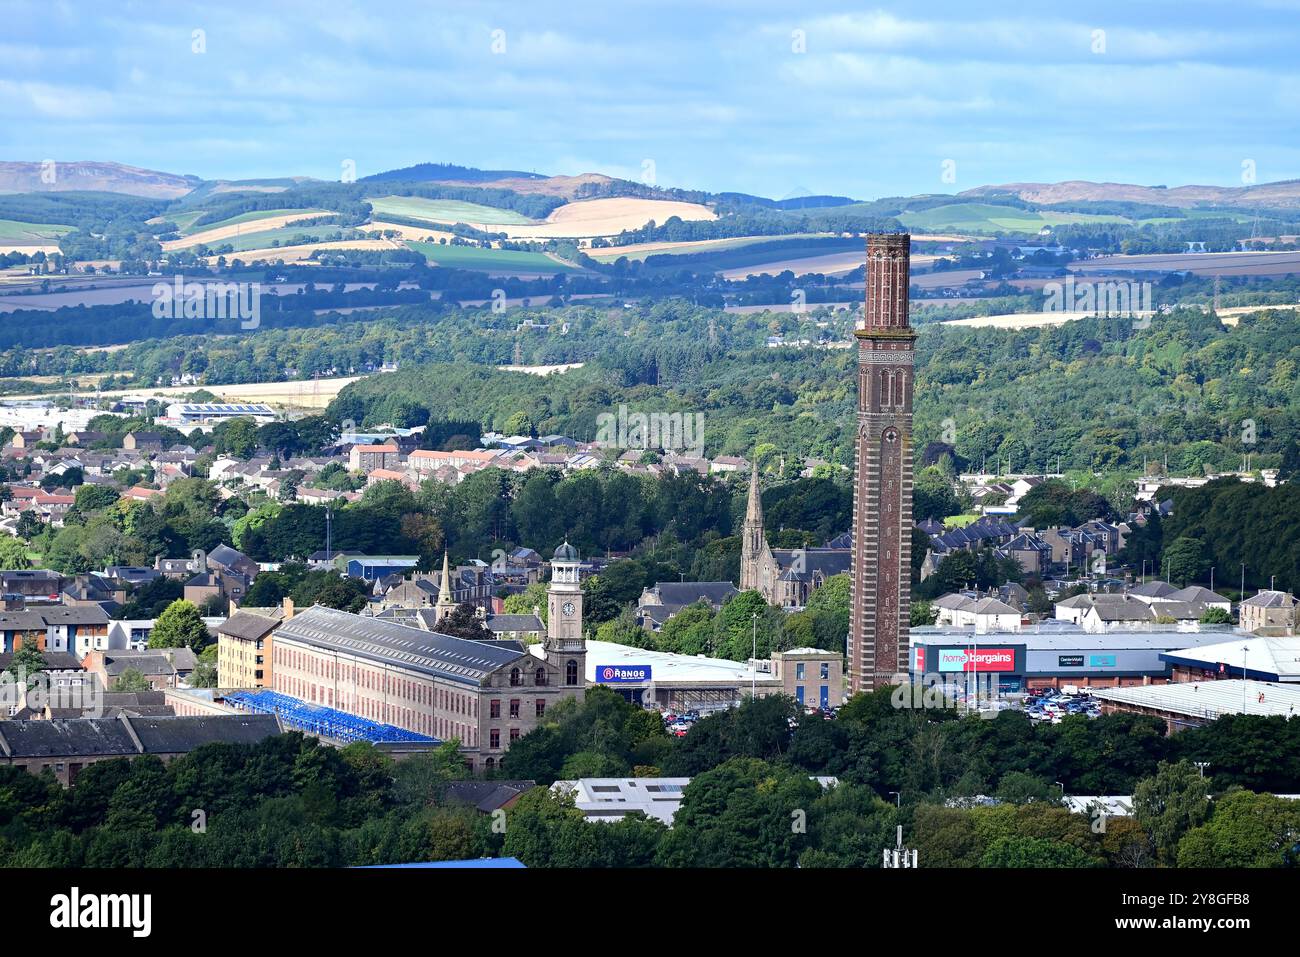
x=783 y=576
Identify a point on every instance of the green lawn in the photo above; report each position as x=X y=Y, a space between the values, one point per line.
x=445 y=211
x=496 y=260
x=30 y=234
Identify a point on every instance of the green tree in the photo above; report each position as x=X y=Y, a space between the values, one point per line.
x=1184 y=559
x=1245 y=830
x=131 y=679
x=1170 y=804
x=28 y=661
x=13 y=554
x=179 y=626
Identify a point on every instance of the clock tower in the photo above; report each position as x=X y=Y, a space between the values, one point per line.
x=565 y=645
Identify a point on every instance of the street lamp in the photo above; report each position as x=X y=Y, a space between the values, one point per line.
x=753 y=663
x=1201 y=766
x=898 y=798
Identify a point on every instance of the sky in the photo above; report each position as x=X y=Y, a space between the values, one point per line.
x=776 y=99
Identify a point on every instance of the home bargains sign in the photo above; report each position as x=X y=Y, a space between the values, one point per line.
x=977 y=659
x=622 y=674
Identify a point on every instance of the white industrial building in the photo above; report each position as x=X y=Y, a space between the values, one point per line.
x=210 y=413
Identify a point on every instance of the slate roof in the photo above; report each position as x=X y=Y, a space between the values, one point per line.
x=681 y=594
x=486 y=796
x=1270 y=599
x=455 y=659
x=54 y=661
x=826 y=561
x=78 y=736
x=128 y=735
x=500 y=623
x=248 y=626
x=1198 y=593
x=1153 y=589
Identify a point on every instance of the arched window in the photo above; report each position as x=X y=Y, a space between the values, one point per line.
x=571 y=672
x=490 y=763
x=514 y=678
x=541 y=676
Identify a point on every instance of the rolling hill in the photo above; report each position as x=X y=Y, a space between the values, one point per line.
x=90 y=176
x=1283 y=194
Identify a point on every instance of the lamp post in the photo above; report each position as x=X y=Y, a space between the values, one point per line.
x=753 y=663
x=898 y=798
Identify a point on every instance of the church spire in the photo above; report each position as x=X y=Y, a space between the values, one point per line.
x=445 y=602
x=754 y=509
x=751 y=537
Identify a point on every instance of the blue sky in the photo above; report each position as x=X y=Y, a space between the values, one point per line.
x=717 y=95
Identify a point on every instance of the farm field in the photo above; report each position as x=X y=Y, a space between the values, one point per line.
x=494 y=260
x=233 y=232
x=297 y=394
x=446 y=211
x=1201 y=264
x=830 y=264
x=303 y=252
x=417 y=233
x=256 y=216
x=30 y=234
x=590 y=217
x=608 y=217
x=1016 y=320
x=286 y=235
x=639 y=251
x=30 y=238
x=989 y=218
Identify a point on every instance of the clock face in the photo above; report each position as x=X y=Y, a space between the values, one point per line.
x=568 y=608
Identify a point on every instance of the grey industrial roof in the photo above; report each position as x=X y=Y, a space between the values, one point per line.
x=402 y=646
x=1209 y=699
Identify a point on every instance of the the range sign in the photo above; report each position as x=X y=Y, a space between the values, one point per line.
x=622 y=674
x=976 y=659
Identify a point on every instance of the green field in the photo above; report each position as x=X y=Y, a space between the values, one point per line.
x=30 y=234
x=613 y=254
x=987 y=218
x=264 y=238
x=495 y=260
x=751 y=253
x=250 y=217
x=445 y=211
